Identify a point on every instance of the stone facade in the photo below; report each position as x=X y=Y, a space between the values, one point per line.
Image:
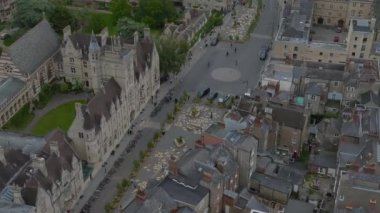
x=121 y=92
x=23 y=71
x=48 y=176
x=7 y=8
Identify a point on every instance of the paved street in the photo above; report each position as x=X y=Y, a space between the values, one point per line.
x=223 y=75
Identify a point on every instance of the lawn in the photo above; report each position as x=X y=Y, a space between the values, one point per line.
x=96 y=21
x=59 y=117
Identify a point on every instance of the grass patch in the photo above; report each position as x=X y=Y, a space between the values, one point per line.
x=20 y=120
x=59 y=117
x=95 y=21
x=12 y=38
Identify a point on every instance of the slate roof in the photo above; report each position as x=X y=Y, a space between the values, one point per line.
x=314 y=89
x=100 y=105
x=15 y=160
x=144 y=50
x=324 y=159
x=288 y=117
x=370 y=97
x=272 y=183
x=184 y=194
x=27 y=143
x=34 y=47
x=297 y=206
x=254 y=204
x=9 y=88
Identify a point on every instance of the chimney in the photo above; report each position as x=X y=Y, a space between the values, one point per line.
x=141 y=195
x=199 y=144
x=17 y=198
x=173 y=170
x=135 y=38
x=54 y=147
x=66 y=32
x=39 y=163
x=146 y=32
x=2 y=156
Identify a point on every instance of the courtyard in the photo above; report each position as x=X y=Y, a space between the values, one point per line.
x=59 y=117
x=327 y=34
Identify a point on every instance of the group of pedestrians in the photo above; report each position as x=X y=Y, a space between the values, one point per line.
x=235 y=50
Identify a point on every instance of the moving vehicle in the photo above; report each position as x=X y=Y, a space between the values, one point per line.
x=264 y=52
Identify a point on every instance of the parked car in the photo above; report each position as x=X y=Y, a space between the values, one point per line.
x=263 y=52
x=212 y=96
x=214 y=41
x=203 y=92
x=4 y=36
x=224 y=98
x=336 y=38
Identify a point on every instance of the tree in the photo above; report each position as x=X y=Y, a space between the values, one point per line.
x=126 y=27
x=120 y=9
x=60 y=17
x=30 y=12
x=156 y=13
x=172 y=54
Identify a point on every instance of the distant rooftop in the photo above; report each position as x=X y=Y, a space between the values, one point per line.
x=27 y=143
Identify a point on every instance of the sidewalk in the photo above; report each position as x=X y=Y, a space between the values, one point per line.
x=197 y=52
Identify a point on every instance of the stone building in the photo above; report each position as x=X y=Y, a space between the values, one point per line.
x=23 y=70
x=7 y=8
x=38 y=174
x=121 y=92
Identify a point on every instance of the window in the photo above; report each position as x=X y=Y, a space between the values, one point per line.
x=354 y=4
x=84 y=64
x=365 y=40
x=80 y=134
x=331 y=54
x=294 y=56
x=353 y=54
x=321 y=53
x=295 y=48
x=354 y=46
x=320 y=60
x=336 y=83
x=356 y=38
x=71 y=60
x=73 y=69
x=313 y=97
x=85 y=74
x=361 y=55
x=363 y=48
x=285 y=46
x=341 y=197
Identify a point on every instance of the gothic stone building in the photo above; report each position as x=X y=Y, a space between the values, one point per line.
x=125 y=76
x=25 y=66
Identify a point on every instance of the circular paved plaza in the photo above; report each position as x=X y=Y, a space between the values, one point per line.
x=226 y=74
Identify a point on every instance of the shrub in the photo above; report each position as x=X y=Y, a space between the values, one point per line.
x=125 y=182
x=150 y=145
x=136 y=164
x=157 y=135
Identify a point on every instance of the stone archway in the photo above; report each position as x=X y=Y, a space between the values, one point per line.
x=340 y=23
x=320 y=20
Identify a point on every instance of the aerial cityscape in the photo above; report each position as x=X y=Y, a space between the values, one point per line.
x=181 y=106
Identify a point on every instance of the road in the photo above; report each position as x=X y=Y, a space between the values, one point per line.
x=223 y=75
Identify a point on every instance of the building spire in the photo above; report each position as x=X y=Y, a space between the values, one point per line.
x=94 y=42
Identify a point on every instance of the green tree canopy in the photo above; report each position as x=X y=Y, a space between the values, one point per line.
x=172 y=54
x=120 y=9
x=60 y=17
x=30 y=12
x=155 y=12
x=126 y=27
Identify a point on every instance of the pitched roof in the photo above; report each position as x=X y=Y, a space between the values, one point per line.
x=289 y=117
x=100 y=105
x=33 y=48
x=8 y=88
x=296 y=206
x=144 y=50
x=370 y=97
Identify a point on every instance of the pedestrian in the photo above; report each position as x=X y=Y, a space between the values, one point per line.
x=211 y=115
x=227 y=53
x=235 y=49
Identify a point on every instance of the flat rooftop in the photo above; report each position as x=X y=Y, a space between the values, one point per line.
x=327 y=34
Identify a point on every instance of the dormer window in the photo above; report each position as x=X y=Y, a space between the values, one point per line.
x=341 y=197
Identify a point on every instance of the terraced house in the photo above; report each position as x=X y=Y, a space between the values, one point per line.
x=23 y=70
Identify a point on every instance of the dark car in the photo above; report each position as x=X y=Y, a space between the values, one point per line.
x=212 y=96
x=203 y=92
x=263 y=52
